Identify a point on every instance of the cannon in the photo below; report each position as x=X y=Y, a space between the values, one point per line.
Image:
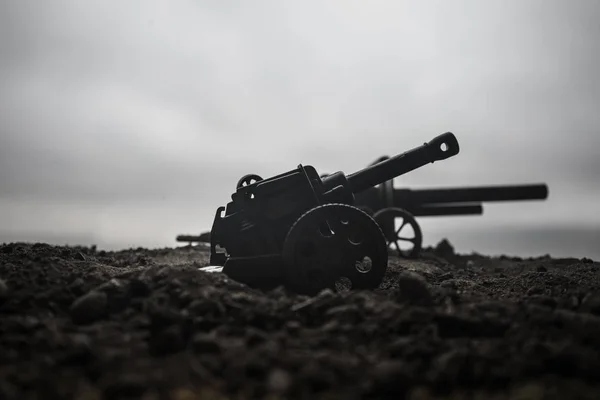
x=302 y=231
x=395 y=209
x=190 y=239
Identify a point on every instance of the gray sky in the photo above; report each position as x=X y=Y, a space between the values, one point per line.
x=126 y=123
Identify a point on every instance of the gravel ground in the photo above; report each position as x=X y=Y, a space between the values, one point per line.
x=77 y=323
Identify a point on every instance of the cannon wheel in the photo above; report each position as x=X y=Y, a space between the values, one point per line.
x=366 y=209
x=248 y=180
x=334 y=246
x=386 y=219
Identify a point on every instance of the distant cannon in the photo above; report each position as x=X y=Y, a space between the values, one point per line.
x=190 y=239
x=387 y=205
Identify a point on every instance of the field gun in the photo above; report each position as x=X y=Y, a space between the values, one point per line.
x=303 y=231
x=387 y=205
x=191 y=239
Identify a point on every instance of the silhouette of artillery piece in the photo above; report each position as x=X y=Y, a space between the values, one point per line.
x=395 y=209
x=304 y=231
x=190 y=239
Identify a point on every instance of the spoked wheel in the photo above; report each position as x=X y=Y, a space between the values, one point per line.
x=397 y=225
x=248 y=180
x=334 y=244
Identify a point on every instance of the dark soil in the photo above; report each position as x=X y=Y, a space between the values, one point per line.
x=76 y=323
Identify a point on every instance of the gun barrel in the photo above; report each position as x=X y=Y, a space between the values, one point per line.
x=188 y=238
x=454 y=209
x=439 y=148
x=204 y=237
x=475 y=194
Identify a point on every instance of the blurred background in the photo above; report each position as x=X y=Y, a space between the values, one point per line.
x=123 y=124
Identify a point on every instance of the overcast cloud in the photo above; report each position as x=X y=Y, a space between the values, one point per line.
x=126 y=123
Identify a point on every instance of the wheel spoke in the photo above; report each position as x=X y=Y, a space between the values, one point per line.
x=407 y=239
x=404 y=222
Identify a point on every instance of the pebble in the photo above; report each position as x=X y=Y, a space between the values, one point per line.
x=167 y=341
x=138 y=288
x=446 y=276
x=591 y=303
x=113 y=285
x=3 y=289
x=413 y=287
x=535 y=290
x=444 y=249
x=543 y=300
x=278 y=381
x=391 y=379
x=89 y=307
x=77 y=283
x=204 y=343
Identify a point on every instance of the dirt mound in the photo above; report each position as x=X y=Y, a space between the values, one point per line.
x=80 y=323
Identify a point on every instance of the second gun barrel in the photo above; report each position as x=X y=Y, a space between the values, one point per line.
x=476 y=194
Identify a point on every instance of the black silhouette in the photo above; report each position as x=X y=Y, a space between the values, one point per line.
x=302 y=230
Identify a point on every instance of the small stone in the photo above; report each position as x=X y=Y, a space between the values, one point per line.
x=167 y=341
x=78 y=352
x=446 y=276
x=591 y=303
x=413 y=287
x=456 y=326
x=400 y=345
x=3 y=289
x=114 y=285
x=278 y=381
x=541 y=268
x=130 y=385
x=203 y=343
x=444 y=249
x=544 y=300
x=30 y=323
x=535 y=290
x=293 y=326
x=89 y=307
x=470 y=264
x=138 y=288
x=77 y=283
x=79 y=256
x=391 y=378
x=573 y=302
x=143 y=260
x=255 y=336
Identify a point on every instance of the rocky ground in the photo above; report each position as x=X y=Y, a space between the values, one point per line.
x=76 y=323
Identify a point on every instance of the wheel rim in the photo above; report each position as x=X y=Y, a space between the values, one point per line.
x=332 y=243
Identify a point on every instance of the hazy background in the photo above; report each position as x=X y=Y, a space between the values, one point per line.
x=125 y=123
